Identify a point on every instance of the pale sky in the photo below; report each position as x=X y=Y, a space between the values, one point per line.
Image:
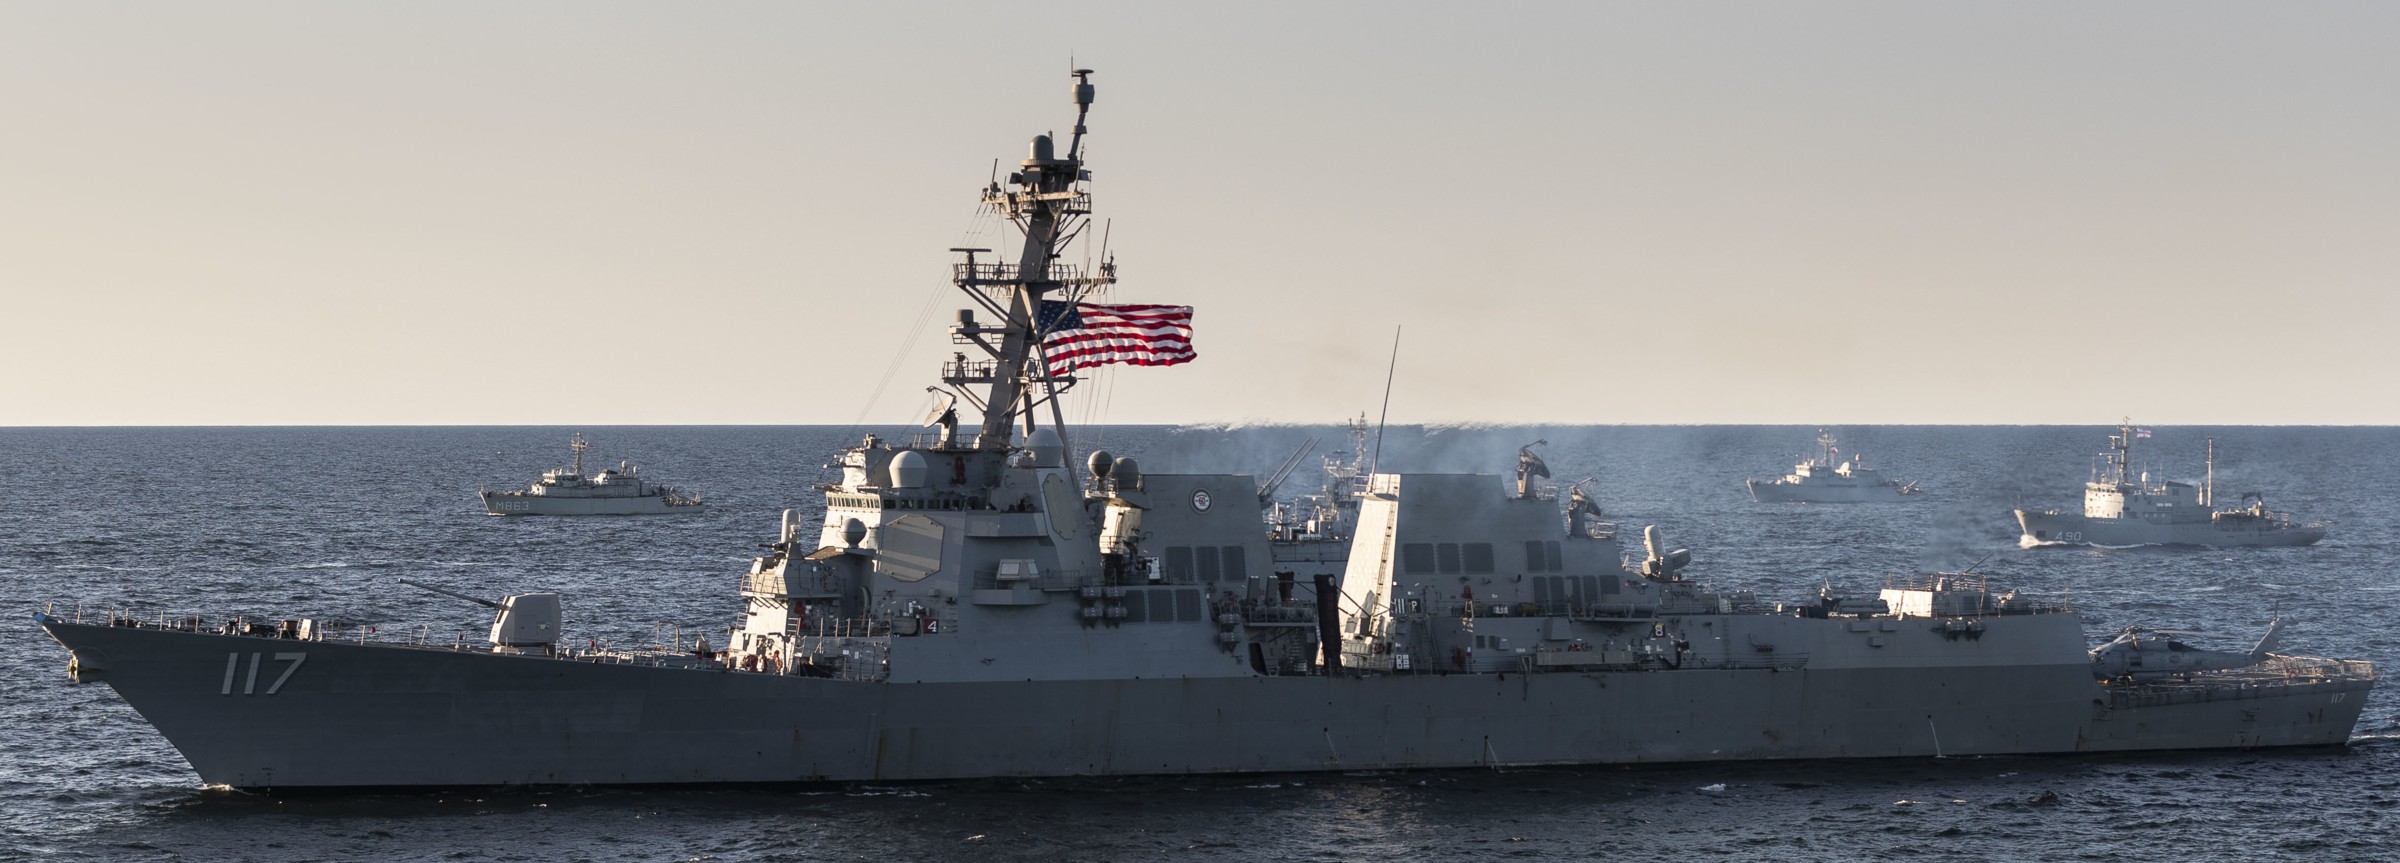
x=589 y=213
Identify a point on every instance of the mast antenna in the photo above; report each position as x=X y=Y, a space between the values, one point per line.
x=2212 y=474
x=1046 y=202
x=1387 y=404
x=1083 y=105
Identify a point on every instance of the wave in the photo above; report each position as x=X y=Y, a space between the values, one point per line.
x=1246 y=424
x=2029 y=542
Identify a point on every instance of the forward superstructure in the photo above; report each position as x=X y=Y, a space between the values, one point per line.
x=985 y=601
x=2125 y=507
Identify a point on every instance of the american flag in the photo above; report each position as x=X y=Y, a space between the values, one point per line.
x=1082 y=335
x=2141 y=432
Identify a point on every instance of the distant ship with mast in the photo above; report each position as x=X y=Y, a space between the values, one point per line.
x=618 y=490
x=1828 y=478
x=2123 y=507
x=1316 y=527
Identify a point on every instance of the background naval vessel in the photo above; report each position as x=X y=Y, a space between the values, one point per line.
x=618 y=490
x=2123 y=507
x=979 y=601
x=1826 y=477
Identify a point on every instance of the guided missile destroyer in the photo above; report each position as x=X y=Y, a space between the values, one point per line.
x=981 y=601
x=1826 y=477
x=618 y=490
x=2123 y=507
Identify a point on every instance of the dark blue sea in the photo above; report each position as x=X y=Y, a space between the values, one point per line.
x=321 y=522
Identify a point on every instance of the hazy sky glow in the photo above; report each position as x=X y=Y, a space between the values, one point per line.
x=466 y=213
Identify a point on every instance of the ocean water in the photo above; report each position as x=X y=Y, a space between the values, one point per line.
x=320 y=522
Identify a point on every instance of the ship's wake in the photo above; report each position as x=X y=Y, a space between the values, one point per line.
x=2030 y=542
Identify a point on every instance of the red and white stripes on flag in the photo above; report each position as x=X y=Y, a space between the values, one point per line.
x=1082 y=335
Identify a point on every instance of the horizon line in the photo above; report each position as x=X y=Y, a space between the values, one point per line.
x=1227 y=424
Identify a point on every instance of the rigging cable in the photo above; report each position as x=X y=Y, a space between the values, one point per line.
x=924 y=314
x=1387 y=404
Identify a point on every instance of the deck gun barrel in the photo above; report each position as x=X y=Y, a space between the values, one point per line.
x=453 y=594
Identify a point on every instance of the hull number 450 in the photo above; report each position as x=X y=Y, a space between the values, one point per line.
x=249 y=679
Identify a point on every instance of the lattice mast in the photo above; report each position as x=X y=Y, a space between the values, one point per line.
x=1048 y=203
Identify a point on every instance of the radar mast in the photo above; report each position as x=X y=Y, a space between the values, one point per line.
x=1046 y=200
x=2120 y=453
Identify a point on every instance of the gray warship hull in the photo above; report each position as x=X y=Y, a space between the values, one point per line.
x=2051 y=527
x=1777 y=491
x=272 y=713
x=1827 y=477
x=519 y=503
x=568 y=491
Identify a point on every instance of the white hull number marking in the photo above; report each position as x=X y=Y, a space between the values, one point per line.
x=233 y=663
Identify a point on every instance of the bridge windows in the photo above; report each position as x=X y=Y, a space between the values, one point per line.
x=1184 y=564
x=1447 y=558
x=1478 y=557
x=1543 y=556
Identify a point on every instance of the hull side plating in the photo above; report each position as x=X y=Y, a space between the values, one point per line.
x=381 y=715
x=2061 y=528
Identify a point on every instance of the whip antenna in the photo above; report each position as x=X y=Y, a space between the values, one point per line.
x=1387 y=404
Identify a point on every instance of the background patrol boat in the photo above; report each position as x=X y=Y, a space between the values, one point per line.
x=979 y=602
x=1827 y=478
x=618 y=490
x=1311 y=533
x=2123 y=507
